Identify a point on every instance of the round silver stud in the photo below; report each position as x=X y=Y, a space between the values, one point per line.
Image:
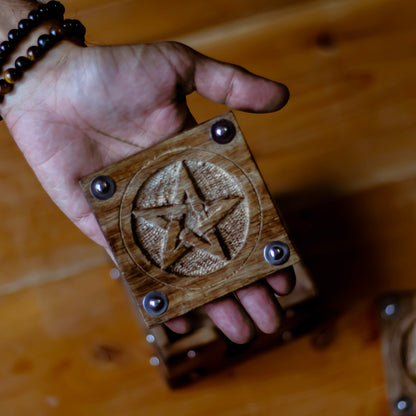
x=404 y=405
x=154 y=361
x=191 y=354
x=276 y=253
x=102 y=187
x=155 y=303
x=389 y=310
x=150 y=338
x=115 y=273
x=223 y=131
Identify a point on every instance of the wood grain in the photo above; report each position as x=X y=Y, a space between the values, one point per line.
x=340 y=161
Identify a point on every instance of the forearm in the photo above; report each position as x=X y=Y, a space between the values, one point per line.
x=11 y=11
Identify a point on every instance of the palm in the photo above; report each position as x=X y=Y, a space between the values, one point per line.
x=100 y=105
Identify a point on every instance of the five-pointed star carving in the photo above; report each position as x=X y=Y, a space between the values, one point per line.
x=190 y=221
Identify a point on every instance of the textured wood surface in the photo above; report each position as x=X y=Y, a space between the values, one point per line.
x=340 y=159
x=189 y=218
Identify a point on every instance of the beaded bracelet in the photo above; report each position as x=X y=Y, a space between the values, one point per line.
x=72 y=30
x=52 y=10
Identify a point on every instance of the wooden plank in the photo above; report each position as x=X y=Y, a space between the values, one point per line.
x=72 y=347
x=349 y=65
x=129 y=21
x=366 y=239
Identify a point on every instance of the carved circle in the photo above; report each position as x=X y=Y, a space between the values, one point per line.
x=188 y=217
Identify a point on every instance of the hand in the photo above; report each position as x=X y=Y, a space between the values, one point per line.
x=80 y=109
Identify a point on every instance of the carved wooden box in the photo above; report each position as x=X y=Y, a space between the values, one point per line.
x=189 y=220
x=398 y=331
x=187 y=357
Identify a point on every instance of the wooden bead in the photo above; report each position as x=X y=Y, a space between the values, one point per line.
x=12 y=75
x=57 y=31
x=43 y=12
x=6 y=47
x=23 y=63
x=25 y=25
x=5 y=87
x=74 y=28
x=33 y=53
x=35 y=16
x=14 y=36
x=45 y=42
x=56 y=9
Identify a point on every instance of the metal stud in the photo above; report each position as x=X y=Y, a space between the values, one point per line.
x=154 y=361
x=191 y=354
x=223 y=131
x=404 y=405
x=276 y=253
x=390 y=310
x=155 y=303
x=102 y=187
x=115 y=273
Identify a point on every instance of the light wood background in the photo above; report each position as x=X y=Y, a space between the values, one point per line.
x=340 y=159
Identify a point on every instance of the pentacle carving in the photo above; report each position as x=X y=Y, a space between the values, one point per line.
x=190 y=218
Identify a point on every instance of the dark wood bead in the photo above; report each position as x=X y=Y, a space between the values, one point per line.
x=6 y=47
x=56 y=9
x=23 y=63
x=57 y=31
x=25 y=25
x=43 y=12
x=14 y=36
x=5 y=87
x=34 y=53
x=35 y=17
x=45 y=42
x=12 y=75
x=74 y=28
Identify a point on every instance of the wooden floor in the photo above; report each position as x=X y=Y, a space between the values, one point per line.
x=340 y=160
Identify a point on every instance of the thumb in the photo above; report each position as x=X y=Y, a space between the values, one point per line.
x=232 y=85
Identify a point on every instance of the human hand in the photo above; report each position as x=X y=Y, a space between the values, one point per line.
x=80 y=109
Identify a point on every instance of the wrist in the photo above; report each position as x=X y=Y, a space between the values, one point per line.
x=28 y=95
x=37 y=33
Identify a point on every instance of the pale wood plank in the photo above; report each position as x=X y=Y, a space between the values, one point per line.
x=130 y=21
x=350 y=121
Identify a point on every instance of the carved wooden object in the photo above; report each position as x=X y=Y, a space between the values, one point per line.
x=188 y=220
x=398 y=325
x=185 y=358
